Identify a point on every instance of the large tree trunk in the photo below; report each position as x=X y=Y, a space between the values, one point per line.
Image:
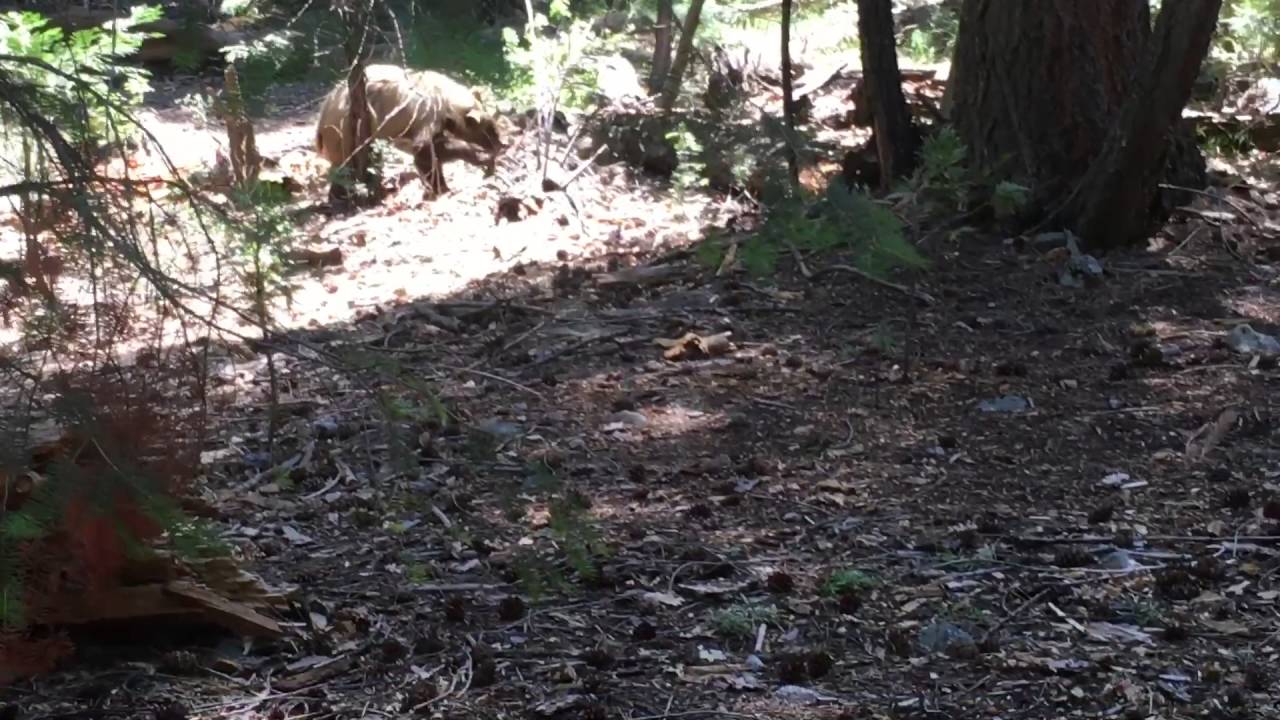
x=1038 y=84
x=1038 y=87
x=1125 y=179
x=897 y=139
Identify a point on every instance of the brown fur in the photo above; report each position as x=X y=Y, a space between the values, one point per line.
x=429 y=160
x=410 y=109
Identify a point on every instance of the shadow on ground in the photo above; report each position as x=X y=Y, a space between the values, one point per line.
x=822 y=520
x=994 y=504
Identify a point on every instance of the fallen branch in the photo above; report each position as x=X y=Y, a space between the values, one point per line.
x=921 y=296
x=1110 y=539
x=574 y=347
x=577 y=172
x=795 y=253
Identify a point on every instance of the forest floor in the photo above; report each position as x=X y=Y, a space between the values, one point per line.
x=1020 y=499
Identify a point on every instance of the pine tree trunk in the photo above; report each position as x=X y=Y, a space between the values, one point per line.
x=663 y=35
x=1126 y=176
x=897 y=139
x=789 y=97
x=671 y=89
x=1038 y=87
x=357 y=46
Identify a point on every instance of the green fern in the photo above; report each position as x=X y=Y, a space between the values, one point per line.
x=1009 y=198
x=534 y=575
x=197 y=539
x=852 y=222
x=569 y=522
x=874 y=231
x=690 y=166
x=942 y=175
x=78 y=77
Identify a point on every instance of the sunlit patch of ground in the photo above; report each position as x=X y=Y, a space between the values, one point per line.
x=404 y=248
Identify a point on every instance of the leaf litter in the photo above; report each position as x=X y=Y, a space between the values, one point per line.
x=785 y=525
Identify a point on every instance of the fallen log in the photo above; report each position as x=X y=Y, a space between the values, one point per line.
x=176 y=36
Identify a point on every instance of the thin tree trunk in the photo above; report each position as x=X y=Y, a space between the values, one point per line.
x=1117 y=193
x=360 y=123
x=671 y=89
x=896 y=136
x=246 y=163
x=788 y=97
x=663 y=35
x=357 y=46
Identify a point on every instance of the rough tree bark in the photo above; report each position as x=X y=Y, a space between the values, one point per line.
x=671 y=88
x=1127 y=174
x=1038 y=87
x=896 y=136
x=663 y=34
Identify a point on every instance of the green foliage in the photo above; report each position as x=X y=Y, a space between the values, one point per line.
x=80 y=83
x=1009 y=199
x=423 y=407
x=266 y=62
x=260 y=234
x=203 y=109
x=943 y=179
x=848 y=580
x=826 y=25
x=404 y=416
x=549 y=58
x=710 y=252
x=342 y=176
x=456 y=43
x=739 y=622
x=851 y=222
x=876 y=233
x=933 y=39
x=417 y=573
x=1249 y=31
x=883 y=338
x=942 y=175
x=197 y=538
x=569 y=523
x=242 y=8
x=1223 y=142
x=67 y=484
x=759 y=255
x=13 y=606
x=535 y=575
x=691 y=166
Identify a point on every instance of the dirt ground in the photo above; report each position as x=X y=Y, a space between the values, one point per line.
x=1019 y=500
